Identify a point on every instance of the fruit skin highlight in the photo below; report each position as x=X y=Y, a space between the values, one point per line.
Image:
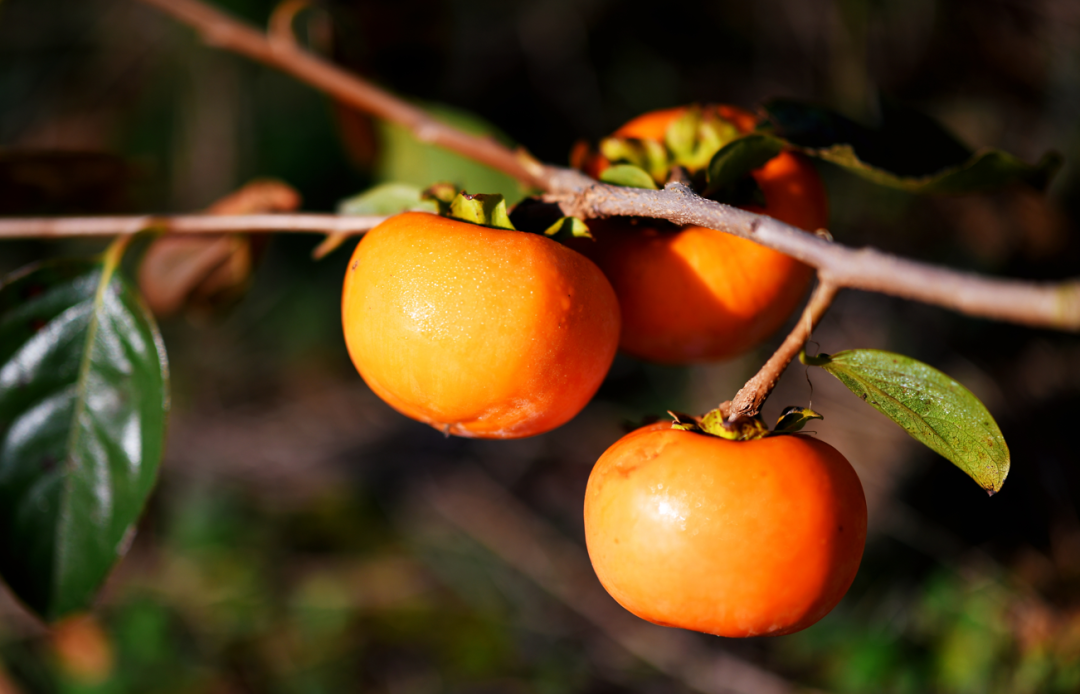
x=733 y=538
x=695 y=294
x=477 y=331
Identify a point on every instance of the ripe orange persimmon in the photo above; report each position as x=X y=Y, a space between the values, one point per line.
x=734 y=538
x=475 y=330
x=695 y=294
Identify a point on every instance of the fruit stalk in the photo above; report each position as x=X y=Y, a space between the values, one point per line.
x=750 y=398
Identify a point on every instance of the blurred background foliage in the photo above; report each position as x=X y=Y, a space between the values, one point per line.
x=305 y=538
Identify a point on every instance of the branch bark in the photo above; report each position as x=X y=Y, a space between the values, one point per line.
x=63 y=227
x=1046 y=305
x=1050 y=305
x=752 y=396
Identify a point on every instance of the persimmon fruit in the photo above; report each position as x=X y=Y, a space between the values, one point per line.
x=475 y=330
x=733 y=538
x=692 y=294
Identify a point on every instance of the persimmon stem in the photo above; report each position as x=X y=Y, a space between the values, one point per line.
x=752 y=396
x=62 y=227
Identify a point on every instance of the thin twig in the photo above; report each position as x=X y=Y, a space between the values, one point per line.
x=223 y=31
x=58 y=227
x=752 y=396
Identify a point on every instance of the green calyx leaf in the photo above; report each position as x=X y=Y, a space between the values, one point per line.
x=387 y=199
x=738 y=158
x=83 y=403
x=568 y=227
x=695 y=137
x=648 y=155
x=629 y=176
x=906 y=150
x=714 y=423
x=933 y=408
x=793 y=419
x=486 y=209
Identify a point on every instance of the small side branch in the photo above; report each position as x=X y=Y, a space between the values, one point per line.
x=61 y=227
x=752 y=396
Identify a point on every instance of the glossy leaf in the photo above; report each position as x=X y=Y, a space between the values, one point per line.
x=929 y=405
x=83 y=401
x=907 y=150
x=387 y=199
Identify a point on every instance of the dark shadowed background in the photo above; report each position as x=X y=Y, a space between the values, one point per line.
x=306 y=538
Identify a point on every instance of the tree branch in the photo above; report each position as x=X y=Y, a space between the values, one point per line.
x=61 y=227
x=1047 y=305
x=752 y=396
x=221 y=30
x=1043 y=305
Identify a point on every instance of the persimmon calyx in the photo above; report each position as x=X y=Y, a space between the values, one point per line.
x=485 y=209
x=690 y=143
x=743 y=428
x=568 y=228
x=694 y=137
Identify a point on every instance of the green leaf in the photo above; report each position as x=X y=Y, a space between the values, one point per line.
x=404 y=159
x=489 y=210
x=629 y=176
x=83 y=401
x=738 y=158
x=907 y=150
x=929 y=405
x=387 y=199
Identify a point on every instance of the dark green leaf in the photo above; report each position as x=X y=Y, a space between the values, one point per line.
x=930 y=406
x=629 y=176
x=738 y=158
x=83 y=400
x=907 y=150
x=387 y=199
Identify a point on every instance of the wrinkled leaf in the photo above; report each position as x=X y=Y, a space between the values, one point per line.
x=738 y=158
x=83 y=400
x=907 y=150
x=629 y=176
x=387 y=199
x=929 y=405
